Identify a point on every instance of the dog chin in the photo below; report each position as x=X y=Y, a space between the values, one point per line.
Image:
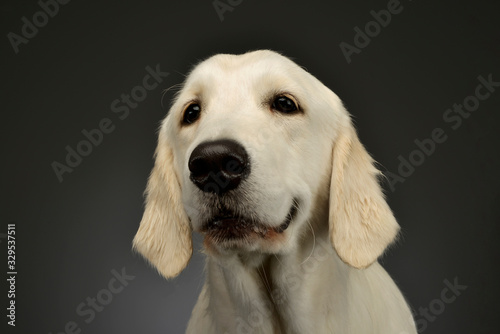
x=231 y=232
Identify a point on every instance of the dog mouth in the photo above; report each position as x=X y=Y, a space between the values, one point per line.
x=230 y=227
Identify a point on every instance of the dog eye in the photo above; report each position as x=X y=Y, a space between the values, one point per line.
x=284 y=104
x=191 y=114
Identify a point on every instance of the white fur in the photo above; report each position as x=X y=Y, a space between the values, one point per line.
x=297 y=282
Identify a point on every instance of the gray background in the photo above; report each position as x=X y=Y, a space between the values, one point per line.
x=72 y=234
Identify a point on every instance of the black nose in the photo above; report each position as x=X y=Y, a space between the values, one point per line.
x=218 y=166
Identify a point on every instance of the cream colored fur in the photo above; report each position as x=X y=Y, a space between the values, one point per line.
x=321 y=275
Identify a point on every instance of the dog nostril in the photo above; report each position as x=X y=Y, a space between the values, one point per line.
x=232 y=166
x=199 y=167
x=218 y=166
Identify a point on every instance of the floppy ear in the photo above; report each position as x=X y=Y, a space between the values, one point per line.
x=164 y=235
x=361 y=223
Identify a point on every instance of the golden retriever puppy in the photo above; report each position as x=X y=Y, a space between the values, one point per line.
x=262 y=159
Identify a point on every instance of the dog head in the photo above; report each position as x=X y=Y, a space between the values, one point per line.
x=250 y=145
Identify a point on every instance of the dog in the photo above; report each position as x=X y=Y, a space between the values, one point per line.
x=262 y=159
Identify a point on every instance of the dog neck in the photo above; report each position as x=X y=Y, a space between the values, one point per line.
x=257 y=289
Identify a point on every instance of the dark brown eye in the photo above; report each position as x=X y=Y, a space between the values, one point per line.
x=284 y=104
x=191 y=114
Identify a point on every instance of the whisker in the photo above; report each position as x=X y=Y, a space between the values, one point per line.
x=176 y=86
x=265 y=281
x=314 y=243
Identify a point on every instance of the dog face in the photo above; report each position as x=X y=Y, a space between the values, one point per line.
x=251 y=113
x=249 y=148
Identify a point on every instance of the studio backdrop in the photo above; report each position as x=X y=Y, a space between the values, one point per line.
x=85 y=85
